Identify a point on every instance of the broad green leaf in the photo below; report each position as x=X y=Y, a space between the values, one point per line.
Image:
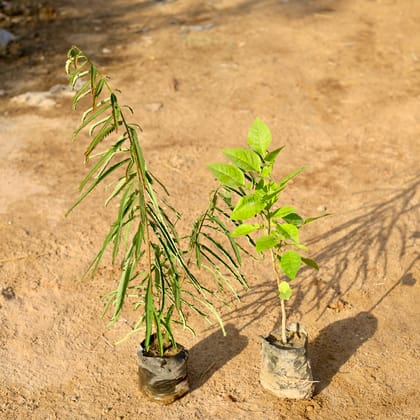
x=285 y=292
x=259 y=137
x=290 y=263
x=245 y=229
x=248 y=206
x=289 y=231
x=310 y=263
x=244 y=159
x=266 y=171
x=282 y=212
x=227 y=174
x=271 y=157
x=266 y=242
x=293 y=219
x=271 y=194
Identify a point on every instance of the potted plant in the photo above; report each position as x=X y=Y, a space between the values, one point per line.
x=155 y=262
x=253 y=196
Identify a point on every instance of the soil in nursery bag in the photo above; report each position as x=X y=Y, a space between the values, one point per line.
x=163 y=378
x=285 y=369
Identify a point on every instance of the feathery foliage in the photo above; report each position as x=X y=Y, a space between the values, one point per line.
x=155 y=270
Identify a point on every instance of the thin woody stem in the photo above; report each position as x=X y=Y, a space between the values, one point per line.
x=283 y=322
x=283 y=309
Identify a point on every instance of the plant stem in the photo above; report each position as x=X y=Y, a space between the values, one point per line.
x=276 y=270
x=283 y=309
x=283 y=322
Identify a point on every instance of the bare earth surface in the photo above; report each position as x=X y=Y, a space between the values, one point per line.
x=338 y=82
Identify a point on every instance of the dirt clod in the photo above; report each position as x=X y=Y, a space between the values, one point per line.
x=8 y=293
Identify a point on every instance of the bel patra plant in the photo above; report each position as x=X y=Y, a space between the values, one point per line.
x=143 y=239
x=258 y=214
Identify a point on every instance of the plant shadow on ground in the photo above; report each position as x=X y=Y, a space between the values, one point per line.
x=378 y=232
x=360 y=243
x=338 y=341
x=212 y=353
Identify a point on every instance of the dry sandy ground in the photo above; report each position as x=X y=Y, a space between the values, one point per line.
x=337 y=81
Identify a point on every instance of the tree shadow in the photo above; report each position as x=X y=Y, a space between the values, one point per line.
x=364 y=243
x=264 y=298
x=212 y=353
x=336 y=343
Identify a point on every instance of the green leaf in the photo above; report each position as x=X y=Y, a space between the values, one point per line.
x=149 y=312
x=292 y=174
x=266 y=171
x=122 y=183
x=116 y=111
x=310 y=263
x=122 y=287
x=312 y=219
x=272 y=191
x=227 y=174
x=282 y=212
x=95 y=183
x=89 y=116
x=290 y=263
x=105 y=159
x=289 y=231
x=105 y=131
x=271 y=157
x=93 y=74
x=81 y=93
x=248 y=206
x=244 y=159
x=285 y=292
x=98 y=123
x=98 y=88
x=293 y=219
x=259 y=137
x=245 y=229
x=266 y=242
x=235 y=247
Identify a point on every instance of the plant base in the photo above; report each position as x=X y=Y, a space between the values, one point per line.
x=163 y=378
x=286 y=371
